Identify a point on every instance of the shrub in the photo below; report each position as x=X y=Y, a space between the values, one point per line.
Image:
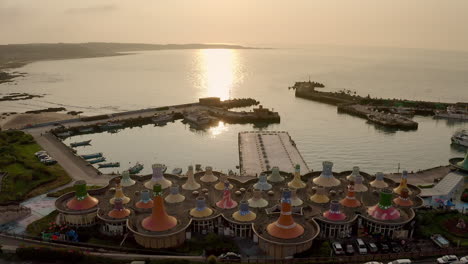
x=48 y=254
x=211 y=260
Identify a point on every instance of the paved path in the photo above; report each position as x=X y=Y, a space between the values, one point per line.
x=423 y=177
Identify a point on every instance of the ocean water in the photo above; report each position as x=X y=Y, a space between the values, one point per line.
x=159 y=78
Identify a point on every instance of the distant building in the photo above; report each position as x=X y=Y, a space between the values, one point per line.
x=210 y=101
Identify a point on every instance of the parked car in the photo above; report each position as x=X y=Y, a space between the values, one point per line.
x=465 y=258
x=372 y=247
x=41 y=152
x=373 y=262
x=361 y=246
x=230 y=256
x=49 y=161
x=396 y=248
x=384 y=248
x=349 y=249
x=447 y=259
x=400 y=261
x=337 y=248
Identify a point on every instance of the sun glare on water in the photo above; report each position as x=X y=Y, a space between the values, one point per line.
x=218 y=72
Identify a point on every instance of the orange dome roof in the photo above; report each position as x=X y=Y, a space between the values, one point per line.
x=159 y=220
x=82 y=200
x=350 y=199
x=285 y=227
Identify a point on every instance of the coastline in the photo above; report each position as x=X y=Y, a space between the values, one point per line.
x=18 y=121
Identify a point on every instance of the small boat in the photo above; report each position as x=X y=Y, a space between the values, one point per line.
x=458 y=111
x=460 y=138
x=177 y=171
x=97 y=160
x=86 y=130
x=199 y=119
x=64 y=134
x=109 y=165
x=110 y=125
x=162 y=119
x=91 y=156
x=136 y=168
x=81 y=143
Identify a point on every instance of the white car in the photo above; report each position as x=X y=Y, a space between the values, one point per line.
x=373 y=262
x=464 y=259
x=400 y=261
x=447 y=259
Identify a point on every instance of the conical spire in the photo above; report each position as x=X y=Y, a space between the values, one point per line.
x=190 y=184
x=275 y=175
x=226 y=202
x=352 y=176
x=119 y=193
x=119 y=211
x=334 y=214
x=403 y=199
x=158 y=177
x=145 y=200
x=159 y=220
x=350 y=199
x=244 y=214
x=320 y=196
x=358 y=185
x=295 y=200
x=379 y=181
x=209 y=176
x=257 y=201
x=201 y=210
x=384 y=209
x=464 y=162
x=222 y=180
x=297 y=181
x=82 y=200
x=285 y=227
x=126 y=180
x=262 y=183
x=174 y=196
x=403 y=183
x=326 y=178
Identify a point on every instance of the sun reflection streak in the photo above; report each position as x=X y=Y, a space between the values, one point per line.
x=220 y=128
x=218 y=72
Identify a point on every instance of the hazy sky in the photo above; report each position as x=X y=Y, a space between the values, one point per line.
x=402 y=23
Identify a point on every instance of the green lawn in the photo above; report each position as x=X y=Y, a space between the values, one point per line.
x=27 y=176
x=35 y=228
x=429 y=223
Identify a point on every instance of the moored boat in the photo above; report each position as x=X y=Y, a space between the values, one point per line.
x=110 y=125
x=96 y=160
x=177 y=171
x=136 y=168
x=162 y=119
x=199 y=119
x=92 y=156
x=457 y=111
x=460 y=138
x=109 y=165
x=81 y=143
x=64 y=134
x=86 y=130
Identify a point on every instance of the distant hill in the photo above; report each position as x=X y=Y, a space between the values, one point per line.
x=16 y=55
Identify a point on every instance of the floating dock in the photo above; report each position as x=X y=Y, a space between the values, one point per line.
x=261 y=151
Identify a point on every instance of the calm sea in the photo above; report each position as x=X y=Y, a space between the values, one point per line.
x=158 y=78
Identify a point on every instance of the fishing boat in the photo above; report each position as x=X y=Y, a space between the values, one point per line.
x=457 y=111
x=199 y=119
x=92 y=156
x=460 y=138
x=81 y=143
x=162 y=119
x=64 y=134
x=177 y=171
x=136 y=168
x=110 y=125
x=97 y=160
x=109 y=165
x=86 y=130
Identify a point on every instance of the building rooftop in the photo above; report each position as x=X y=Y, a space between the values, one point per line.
x=445 y=186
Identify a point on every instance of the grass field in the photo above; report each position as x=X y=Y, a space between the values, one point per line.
x=27 y=176
x=430 y=223
x=35 y=228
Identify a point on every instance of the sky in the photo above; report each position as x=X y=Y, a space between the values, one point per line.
x=429 y=24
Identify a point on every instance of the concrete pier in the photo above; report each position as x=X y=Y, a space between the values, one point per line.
x=261 y=151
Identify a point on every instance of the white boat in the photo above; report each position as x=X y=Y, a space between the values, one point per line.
x=65 y=134
x=453 y=112
x=86 y=130
x=162 y=118
x=199 y=118
x=460 y=138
